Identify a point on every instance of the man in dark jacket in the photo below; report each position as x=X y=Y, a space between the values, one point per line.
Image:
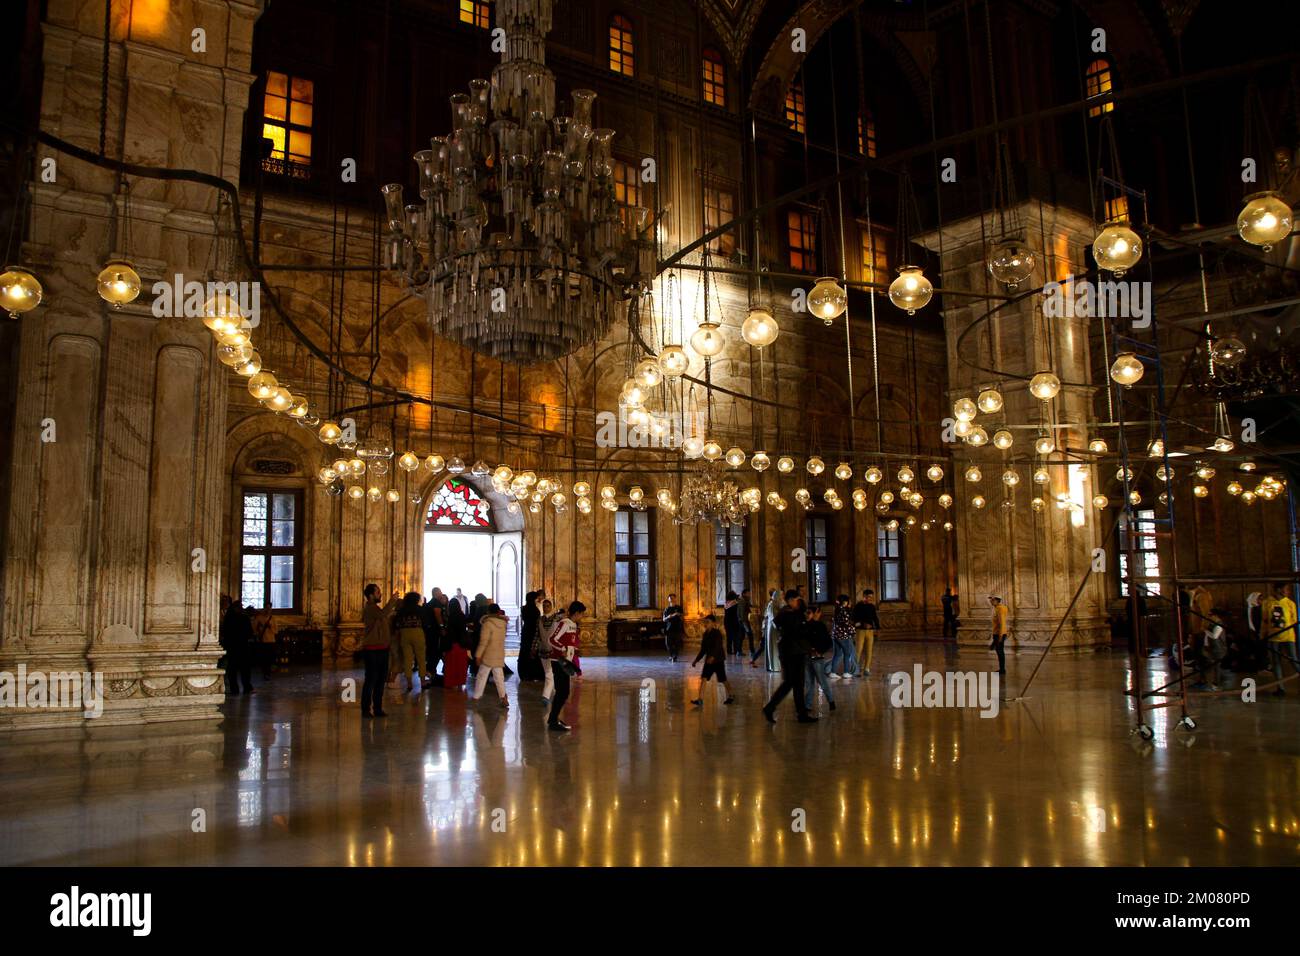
x=793 y=652
x=236 y=637
x=674 y=627
x=866 y=624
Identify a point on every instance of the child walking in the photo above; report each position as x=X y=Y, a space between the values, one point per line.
x=714 y=650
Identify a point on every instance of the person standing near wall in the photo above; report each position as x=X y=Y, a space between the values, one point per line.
x=674 y=627
x=866 y=622
x=842 y=632
x=745 y=610
x=774 y=605
x=236 y=638
x=731 y=624
x=999 y=625
x=949 y=601
x=375 y=642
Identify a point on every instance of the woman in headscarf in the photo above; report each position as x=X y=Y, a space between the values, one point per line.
x=530 y=618
x=774 y=606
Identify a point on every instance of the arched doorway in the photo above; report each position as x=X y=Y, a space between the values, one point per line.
x=473 y=542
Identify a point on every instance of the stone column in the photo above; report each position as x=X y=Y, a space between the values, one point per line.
x=102 y=572
x=1035 y=559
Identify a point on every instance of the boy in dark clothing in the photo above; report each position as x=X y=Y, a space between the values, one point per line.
x=713 y=651
x=819 y=645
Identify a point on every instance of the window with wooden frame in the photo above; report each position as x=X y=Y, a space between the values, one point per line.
x=627 y=189
x=801 y=239
x=731 y=567
x=1098 y=85
x=1146 y=553
x=1117 y=209
x=476 y=13
x=893 y=570
x=867 y=136
x=875 y=257
x=287 y=122
x=720 y=207
x=634 y=562
x=714 y=81
x=818 y=546
x=270 y=548
x=794 y=108
x=622 y=53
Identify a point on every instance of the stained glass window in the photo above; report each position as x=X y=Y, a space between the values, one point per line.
x=457 y=503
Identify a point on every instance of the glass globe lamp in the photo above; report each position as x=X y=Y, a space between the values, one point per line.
x=911 y=290
x=233 y=337
x=280 y=400
x=759 y=461
x=356 y=491
x=934 y=473
x=356 y=467
x=298 y=408
x=648 y=374
x=1044 y=445
x=785 y=464
x=251 y=365
x=735 y=456
x=906 y=475
x=118 y=283
x=1011 y=262
x=978 y=502
x=1204 y=472
x=802 y=496
x=887 y=497
x=827 y=300
x=873 y=475
x=1037 y=504
x=434 y=463
x=815 y=466
x=693 y=447
x=222 y=312
x=1041 y=476
x=632 y=393
x=1003 y=439
x=1234 y=488
x=1228 y=351
x=20 y=291
x=962 y=429
x=1098 y=446
x=708 y=339
x=945 y=501
x=373 y=493
x=582 y=489
x=1100 y=502
x=1264 y=220
x=978 y=437
x=673 y=361
x=1011 y=477
x=1044 y=386
x=973 y=473
x=455 y=466
x=233 y=356
x=1117 y=248
x=843 y=471
x=760 y=328
x=1248 y=498
x=711 y=451
x=1200 y=491
x=409 y=461
x=393 y=496
x=964 y=410
x=326 y=475
x=989 y=401
x=1127 y=369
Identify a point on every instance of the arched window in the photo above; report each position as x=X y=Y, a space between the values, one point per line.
x=714 y=86
x=621 y=52
x=457 y=504
x=1097 y=85
x=794 y=112
x=867 y=136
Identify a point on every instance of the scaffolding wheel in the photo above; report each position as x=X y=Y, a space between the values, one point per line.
x=1187 y=723
x=1143 y=731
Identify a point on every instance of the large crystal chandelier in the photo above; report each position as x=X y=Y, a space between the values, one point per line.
x=708 y=496
x=520 y=248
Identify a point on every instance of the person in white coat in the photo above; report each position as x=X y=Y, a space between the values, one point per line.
x=491 y=653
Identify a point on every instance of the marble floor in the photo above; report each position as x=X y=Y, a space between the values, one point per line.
x=292 y=776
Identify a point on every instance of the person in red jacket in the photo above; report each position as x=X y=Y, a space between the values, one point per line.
x=564 y=649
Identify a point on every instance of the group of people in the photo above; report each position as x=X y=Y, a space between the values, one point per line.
x=247 y=636
x=404 y=640
x=1212 y=644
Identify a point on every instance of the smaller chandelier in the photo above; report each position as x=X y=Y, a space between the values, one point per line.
x=1228 y=351
x=118 y=283
x=710 y=498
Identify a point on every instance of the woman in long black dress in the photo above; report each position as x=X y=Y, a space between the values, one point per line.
x=530 y=665
x=731 y=623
